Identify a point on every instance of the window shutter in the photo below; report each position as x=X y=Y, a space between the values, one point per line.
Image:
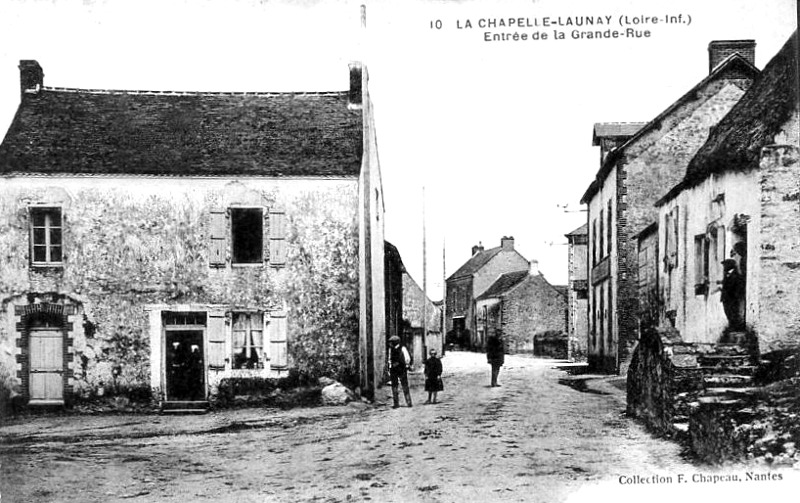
x=277 y=237
x=216 y=341
x=277 y=339
x=218 y=244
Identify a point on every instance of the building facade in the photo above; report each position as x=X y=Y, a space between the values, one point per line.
x=524 y=309
x=469 y=282
x=578 y=293
x=738 y=201
x=425 y=333
x=172 y=240
x=631 y=178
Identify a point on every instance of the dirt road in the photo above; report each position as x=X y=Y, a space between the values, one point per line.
x=532 y=439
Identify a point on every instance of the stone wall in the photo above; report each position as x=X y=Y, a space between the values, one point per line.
x=778 y=255
x=130 y=243
x=530 y=309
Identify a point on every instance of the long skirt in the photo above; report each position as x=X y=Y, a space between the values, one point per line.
x=434 y=384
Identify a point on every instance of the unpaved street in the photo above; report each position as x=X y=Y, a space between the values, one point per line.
x=532 y=439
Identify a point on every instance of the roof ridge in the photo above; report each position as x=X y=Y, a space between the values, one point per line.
x=77 y=90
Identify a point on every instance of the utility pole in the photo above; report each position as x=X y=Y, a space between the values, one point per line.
x=424 y=283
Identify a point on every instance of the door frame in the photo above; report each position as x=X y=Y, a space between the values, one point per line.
x=62 y=368
x=183 y=328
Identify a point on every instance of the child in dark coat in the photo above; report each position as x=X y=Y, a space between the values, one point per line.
x=433 y=376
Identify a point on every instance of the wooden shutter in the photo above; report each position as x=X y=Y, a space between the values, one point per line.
x=216 y=341
x=277 y=340
x=277 y=237
x=218 y=245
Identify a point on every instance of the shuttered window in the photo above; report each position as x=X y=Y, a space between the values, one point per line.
x=218 y=246
x=217 y=356
x=247 y=235
x=248 y=340
x=277 y=237
x=277 y=340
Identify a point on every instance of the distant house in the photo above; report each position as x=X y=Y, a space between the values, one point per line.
x=738 y=200
x=424 y=335
x=633 y=174
x=470 y=281
x=525 y=310
x=578 y=293
x=171 y=240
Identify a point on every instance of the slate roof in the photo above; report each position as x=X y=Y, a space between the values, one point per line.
x=615 y=130
x=477 y=261
x=583 y=230
x=562 y=289
x=160 y=133
x=734 y=62
x=735 y=143
x=504 y=283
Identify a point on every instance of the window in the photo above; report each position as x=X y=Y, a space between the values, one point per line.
x=248 y=340
x=46 y=235
x=601 y=250
x=247 y=230
x=608 y=229
x=701 y=250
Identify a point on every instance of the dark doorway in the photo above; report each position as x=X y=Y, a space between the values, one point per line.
x=185 y=376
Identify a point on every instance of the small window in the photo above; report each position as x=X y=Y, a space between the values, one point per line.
x=247 y=229
x=46 y=229
x=248 y=340
x=701 y=252
x=582 y=294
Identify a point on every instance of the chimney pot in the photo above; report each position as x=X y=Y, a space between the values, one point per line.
x=31 y=76
x=477 y=248
x=507 y=243
x=356 y=88
x=719 y=50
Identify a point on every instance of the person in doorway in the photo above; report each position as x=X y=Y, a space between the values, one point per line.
x=495 y=355
x=732 y=293
x=399 y=364
x=433 y=376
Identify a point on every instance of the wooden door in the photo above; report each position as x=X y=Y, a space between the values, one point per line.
x=46 y=366
x=185 y=365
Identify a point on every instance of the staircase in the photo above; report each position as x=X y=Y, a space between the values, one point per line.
x=725 y=374
x=184 y=407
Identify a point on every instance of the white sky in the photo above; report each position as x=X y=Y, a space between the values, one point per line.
x=499 y=133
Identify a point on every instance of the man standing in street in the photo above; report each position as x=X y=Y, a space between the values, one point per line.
x=399 y=363
x=495 y=356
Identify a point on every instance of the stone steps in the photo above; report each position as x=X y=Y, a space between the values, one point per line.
x=723 y=360
x=184 y=407
x=716 y=380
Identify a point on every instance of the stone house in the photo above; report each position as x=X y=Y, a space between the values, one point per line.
x=170 y=240
x=631 y=178
x=578 y=293
x=525 y=310
x=415 y=305
x=471 y=280
x=695 y=374
x=738 y=200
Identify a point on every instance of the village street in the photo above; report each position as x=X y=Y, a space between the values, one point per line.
x=533 y=439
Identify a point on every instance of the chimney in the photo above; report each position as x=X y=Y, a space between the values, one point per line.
x=533 y=267
x=355 y=97
x=31 y=76
x=507 y=243
x=718 y=50
x=477 y=249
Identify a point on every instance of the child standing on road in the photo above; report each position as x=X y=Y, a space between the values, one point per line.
x=433 y=376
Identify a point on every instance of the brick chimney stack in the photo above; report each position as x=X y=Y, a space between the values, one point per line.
x=507 y=243
x=718 y=50
x=355 y=98
x=477 y=249
x=31 y=77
